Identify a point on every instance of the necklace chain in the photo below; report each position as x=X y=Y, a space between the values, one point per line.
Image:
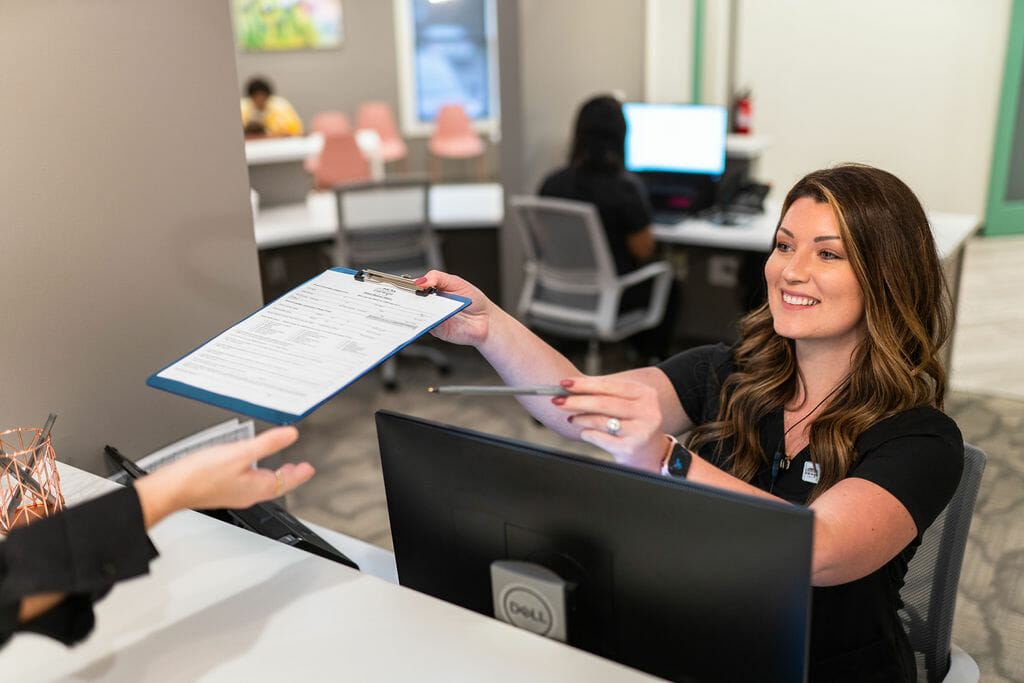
x=784 y=464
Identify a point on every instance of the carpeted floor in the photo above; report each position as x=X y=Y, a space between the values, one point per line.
x=348 y=492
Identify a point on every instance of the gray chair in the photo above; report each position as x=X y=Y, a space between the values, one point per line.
x=930 y=586
x=572 y=288
x=385 y=225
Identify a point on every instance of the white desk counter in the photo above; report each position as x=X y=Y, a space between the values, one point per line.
x=469 y=205
x=280 y=150
x=261 y=151
x=223 y=604
x=756 y=233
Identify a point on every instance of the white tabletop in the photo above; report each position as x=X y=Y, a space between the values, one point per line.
x=279 y=150
x=223 y=604
x=452 y=207
x=259 y=151
x=756 y=233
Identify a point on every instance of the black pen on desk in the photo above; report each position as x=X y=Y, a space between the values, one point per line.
x=128 y=465
x=40 y=441
x=31 y=455
x=478 y=390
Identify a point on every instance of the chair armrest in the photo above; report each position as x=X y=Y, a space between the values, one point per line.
x=651 y=270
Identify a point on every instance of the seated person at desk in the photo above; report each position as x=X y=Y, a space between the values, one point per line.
x=832 y=398
x=53 y=570
x=597 y=174
x=267 y=114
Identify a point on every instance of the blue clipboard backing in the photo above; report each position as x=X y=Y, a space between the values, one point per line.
x=262 y=412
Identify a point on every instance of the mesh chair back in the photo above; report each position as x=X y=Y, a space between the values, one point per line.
x=930 y=586
x=565 y=240
x=385 y=225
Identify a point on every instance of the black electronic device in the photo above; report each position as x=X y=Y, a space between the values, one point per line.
x=266 y=519
x=678 y=151
x=673 y=578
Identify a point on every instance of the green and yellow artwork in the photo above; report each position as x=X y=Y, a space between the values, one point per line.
x=264 y=25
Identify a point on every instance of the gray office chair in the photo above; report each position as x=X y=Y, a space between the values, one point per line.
x=572 y=288
x=385 y=225
x=930 y=586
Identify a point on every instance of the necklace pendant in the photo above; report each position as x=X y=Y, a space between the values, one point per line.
x=784 y=465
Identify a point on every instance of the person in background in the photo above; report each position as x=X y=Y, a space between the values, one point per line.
x=267 y=114
x=53 y=570
x=832 y=398
x=597 y=174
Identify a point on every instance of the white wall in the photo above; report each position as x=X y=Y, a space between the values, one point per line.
x=910 y=86
x=668 y=66
x=569 y=51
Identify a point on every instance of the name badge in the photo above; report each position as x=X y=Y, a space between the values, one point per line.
x=812 y=472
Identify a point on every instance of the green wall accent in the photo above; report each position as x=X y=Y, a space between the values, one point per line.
x=1005 y=211
x=698 y=50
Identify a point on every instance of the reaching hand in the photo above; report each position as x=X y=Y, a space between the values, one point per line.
x=470 y=325
x=620 y=416
x=221 y=476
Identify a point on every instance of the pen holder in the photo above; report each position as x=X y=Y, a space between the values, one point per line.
x=29 y=482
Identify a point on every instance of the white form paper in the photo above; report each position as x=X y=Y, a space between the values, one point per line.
x=306 y=346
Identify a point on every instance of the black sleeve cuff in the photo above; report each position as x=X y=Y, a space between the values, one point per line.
x=69 y=622
x=83 y=550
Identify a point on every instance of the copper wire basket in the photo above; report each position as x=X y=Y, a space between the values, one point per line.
x=29 y=482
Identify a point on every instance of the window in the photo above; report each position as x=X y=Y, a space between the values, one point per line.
x=447 y=53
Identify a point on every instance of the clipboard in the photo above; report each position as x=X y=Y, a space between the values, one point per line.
x=285 y=360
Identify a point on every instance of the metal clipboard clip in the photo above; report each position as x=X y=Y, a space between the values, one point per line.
x=400 y=281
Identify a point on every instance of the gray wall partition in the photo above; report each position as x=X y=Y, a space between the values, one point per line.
x=564 y=52
x=124 y=213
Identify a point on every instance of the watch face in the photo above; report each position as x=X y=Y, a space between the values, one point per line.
x=679 y=463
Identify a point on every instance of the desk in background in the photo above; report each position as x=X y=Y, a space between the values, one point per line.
x=744 y=247
x=291 y=237
x=224 y=604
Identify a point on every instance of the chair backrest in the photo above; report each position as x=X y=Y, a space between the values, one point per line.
x=330 y=122
x=379 y=117
x=385 y=225
x=453 y=122
x=930 y=586
x=570 y=284
x=340 y=161
x=565 y=241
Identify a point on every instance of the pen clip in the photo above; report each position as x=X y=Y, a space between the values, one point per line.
x=401 y=281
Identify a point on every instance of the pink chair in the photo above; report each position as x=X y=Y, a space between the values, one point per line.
x=378 y=116
x=340 y=161
x=454 y=138
x=323 y=123
x=330 y=121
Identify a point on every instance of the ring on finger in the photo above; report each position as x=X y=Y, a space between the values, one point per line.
x=613 y=426
x=280 y=483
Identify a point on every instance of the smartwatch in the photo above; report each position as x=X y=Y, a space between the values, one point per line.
x=677 y=460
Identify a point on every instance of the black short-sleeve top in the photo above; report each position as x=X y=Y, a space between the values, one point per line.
x=620 y=200
x=916 y=455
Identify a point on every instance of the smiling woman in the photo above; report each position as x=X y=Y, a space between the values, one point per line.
x=832 y=399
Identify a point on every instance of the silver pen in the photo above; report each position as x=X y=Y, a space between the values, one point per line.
x=479 y=390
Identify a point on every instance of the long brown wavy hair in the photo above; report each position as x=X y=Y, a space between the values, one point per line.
x=896 y=366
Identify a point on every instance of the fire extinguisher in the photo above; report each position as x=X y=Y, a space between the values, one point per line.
x=742 y=113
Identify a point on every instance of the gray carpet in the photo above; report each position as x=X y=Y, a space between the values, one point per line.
x=348 y=492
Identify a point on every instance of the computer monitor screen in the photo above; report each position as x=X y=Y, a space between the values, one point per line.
x=678 y=138
x=673 y=578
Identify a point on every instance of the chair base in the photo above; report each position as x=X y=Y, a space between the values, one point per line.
x=962 y=667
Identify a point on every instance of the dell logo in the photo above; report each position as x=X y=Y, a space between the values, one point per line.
x=526 y=609
x=515 y=609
